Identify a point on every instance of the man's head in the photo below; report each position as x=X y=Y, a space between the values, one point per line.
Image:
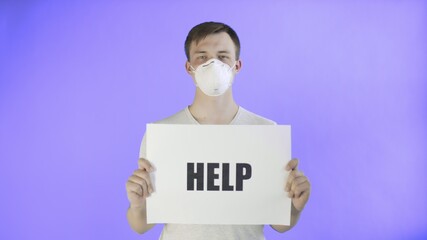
x=201 y=31
x=215 y=48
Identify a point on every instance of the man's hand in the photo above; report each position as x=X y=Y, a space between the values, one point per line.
x=138 y=186
x=297 y=186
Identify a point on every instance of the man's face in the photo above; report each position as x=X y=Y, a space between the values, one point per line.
x=219 y=46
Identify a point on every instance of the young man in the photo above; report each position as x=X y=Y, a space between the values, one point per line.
x=212 y=51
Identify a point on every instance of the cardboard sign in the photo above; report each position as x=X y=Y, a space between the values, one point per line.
x=219 y=174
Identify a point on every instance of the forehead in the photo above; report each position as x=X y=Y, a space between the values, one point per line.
x=214 y=42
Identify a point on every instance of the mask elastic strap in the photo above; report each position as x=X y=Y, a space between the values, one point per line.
x=234 y=65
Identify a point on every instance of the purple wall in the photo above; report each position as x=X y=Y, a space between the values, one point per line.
x=79 y=81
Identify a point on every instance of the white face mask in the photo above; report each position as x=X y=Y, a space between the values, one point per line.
x=213 y=77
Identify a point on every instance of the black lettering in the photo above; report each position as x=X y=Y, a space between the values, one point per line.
x=212 y=176
x=197 y=175
x=240 y=176
x=226 y=177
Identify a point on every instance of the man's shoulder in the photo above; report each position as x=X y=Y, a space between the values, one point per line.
x=248 y=117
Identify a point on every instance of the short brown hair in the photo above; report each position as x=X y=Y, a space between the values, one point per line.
x=201 y=31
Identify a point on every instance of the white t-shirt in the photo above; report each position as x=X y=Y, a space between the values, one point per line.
x=204 y=231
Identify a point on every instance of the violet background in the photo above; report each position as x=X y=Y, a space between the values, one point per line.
x=80 y=79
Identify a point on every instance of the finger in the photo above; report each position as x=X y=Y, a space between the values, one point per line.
x=297 y=185
x=136 y=179
x=302 y=184
x=145 y=192
x=297 y=181
x=145 y=165
x=292 y=165
x=289 y=181
x=133 y=187
x=146 y=176
x=141 y=186
x=297 y=191
x=302 y=189
x=291 y=177
x=133 y=195
x=305 y=194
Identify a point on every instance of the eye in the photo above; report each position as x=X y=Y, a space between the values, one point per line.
x=223 y=57
x=202 y=57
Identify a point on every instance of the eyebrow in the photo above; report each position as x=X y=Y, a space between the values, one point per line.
x=222 y=51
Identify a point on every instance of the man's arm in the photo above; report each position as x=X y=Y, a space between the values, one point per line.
x=137 y=218
x=138 y=188
x=298 y=188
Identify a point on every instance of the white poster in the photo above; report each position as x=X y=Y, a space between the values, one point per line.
x=219 y=174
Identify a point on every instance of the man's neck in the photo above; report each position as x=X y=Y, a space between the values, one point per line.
x=214 y=110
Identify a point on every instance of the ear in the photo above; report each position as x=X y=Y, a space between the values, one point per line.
x=188 y=68
x=190 y=71
x=238 y=66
